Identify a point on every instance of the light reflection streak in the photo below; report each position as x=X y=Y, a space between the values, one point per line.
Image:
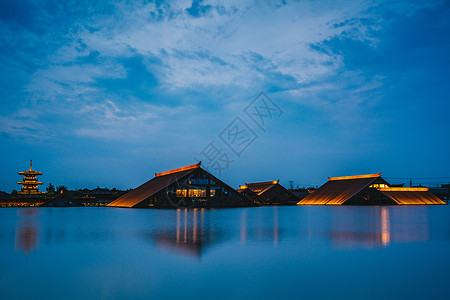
x=385 y=227
x=243 y=227
x=185 y=225
x=378 y=226
x=276 y=230
x=178 y=225
x=195 y=226
x=191 y=236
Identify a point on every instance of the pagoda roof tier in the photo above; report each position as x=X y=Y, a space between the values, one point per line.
x=30 y=173
x=26 y=182
x=30 y=192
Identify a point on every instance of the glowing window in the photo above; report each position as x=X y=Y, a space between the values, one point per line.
x=378 y=185
x=197 y=193
x=181 y=193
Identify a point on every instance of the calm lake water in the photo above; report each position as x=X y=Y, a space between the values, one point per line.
x=260 y=253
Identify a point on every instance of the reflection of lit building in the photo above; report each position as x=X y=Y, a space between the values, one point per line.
x=27 y=233
x=367 y=190
x=29 y=182
x=268 y=193
x=385 y=227
x=189 y=186
x=378 y=226
x=260 y=224
x=27 y=238
x=194 y=230
x=190 y=236
x=373 y=230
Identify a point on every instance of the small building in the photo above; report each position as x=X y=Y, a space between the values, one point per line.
x=98 y=196
x=4 y=195
x=268 y=193
x=30 y=182
x=62 y=199
x=368 y=189
x=5 y=199
x=187 y=187
x=442 y=192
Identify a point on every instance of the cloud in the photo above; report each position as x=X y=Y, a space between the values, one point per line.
x=196 y=50
x=18 y=127
x=116 y=74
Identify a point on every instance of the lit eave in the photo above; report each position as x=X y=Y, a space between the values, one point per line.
x=355 y=177
x=30 y=173
x=404 y=189
x=178 y=170
x=30 y=182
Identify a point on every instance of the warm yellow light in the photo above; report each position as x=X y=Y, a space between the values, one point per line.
x=378 y=185
x=243 y=187
x=355 y=177
x=197 y=193
x=181 y=193
x=275 y=182
x=404 y=189
x=385 y=227
x=178 y=170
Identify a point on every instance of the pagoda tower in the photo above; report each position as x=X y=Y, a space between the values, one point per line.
x=29 y=182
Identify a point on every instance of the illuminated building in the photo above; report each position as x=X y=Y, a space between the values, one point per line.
x=29 y=182
x=368 y=189
x=268 y=193
x=186 y=187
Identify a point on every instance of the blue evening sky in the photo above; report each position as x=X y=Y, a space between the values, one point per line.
x=106 y=93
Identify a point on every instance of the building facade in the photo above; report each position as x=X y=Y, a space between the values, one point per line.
x=186 y=187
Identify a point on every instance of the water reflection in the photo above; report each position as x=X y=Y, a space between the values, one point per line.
x=278 y=251
x=27 y=231
x=378 y=226
x=193 y=231
x=385 y=227
x=260 y=225
x=190 y=235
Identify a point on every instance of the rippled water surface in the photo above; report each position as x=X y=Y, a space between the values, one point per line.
x=260 y=253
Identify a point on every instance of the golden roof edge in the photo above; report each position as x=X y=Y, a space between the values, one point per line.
x=355 y=177
x=194 y=166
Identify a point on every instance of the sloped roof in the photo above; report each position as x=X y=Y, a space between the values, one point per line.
x=153 y=186
x=261 y=187
x=411 y=196
x=338 y=190
x=244 y=189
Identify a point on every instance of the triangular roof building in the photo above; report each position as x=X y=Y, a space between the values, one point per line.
x=268 y=193
x=368 y=189
x=185 y=187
